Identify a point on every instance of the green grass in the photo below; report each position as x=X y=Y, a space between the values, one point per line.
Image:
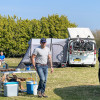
x=70 y=83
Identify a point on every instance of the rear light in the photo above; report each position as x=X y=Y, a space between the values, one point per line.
x=70 y=51
x=95 y=51
x=63 y=65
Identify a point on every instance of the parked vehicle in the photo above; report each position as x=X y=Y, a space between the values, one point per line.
x=81 y=47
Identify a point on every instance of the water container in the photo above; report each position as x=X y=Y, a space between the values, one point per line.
x=4 y=66
x=32 y=87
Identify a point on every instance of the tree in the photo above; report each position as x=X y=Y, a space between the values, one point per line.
x=58 y=26
x=97 y=38
x=15 y=32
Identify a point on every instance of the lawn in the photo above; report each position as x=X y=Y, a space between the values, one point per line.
x=70 y=83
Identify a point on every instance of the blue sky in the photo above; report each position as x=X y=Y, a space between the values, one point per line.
x=85 y=13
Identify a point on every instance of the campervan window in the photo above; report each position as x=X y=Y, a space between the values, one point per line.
x=88 y=46
x=82 y=46
x=76 y=45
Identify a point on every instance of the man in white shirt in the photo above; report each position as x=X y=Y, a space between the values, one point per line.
x=39 y=61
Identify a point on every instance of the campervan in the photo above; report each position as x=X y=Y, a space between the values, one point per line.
x=81 y=47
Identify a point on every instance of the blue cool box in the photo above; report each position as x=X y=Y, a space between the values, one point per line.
x=30 y=86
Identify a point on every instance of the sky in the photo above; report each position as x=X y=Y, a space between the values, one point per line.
x=84 y=13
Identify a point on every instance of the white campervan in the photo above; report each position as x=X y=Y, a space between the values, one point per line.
x=81 y=47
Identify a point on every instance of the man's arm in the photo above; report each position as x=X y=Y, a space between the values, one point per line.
x=33 y=61
x=50 y=60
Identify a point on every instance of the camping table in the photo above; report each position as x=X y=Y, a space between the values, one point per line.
x=11 y=72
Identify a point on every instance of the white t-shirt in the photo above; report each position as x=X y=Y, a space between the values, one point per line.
x=41 y=54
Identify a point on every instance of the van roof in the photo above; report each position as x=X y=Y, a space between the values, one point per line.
x=81 y=32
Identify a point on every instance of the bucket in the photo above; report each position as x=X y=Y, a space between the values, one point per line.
x=32 y=87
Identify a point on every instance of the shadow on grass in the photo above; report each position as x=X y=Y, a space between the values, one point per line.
x=79 y=92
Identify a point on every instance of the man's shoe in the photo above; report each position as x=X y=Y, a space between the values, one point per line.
x=45 y=96
x=39 y=94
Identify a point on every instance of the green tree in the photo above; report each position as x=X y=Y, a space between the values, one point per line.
x=15 y=32
x=58 y=26
x=97 y=38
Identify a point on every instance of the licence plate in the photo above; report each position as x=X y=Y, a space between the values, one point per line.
x=77 y=59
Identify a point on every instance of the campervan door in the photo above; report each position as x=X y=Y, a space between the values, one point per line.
x=82 y=47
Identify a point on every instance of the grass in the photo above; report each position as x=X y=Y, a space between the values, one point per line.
x=70 y=83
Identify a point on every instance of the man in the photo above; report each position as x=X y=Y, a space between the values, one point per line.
x=2 y=57
x=39 y=61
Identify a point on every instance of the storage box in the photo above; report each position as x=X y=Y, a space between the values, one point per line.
x=11 y=89
x=32 y=87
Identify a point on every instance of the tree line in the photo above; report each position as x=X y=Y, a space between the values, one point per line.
x=16 y=32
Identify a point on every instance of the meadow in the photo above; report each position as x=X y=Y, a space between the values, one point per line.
x=69 y=83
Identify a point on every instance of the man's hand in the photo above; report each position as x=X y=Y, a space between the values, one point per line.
x=50 y=60
x=52 y=70
x=33 y=61
x=35 y=68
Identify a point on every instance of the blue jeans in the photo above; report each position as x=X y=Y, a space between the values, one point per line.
x=43 y=73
